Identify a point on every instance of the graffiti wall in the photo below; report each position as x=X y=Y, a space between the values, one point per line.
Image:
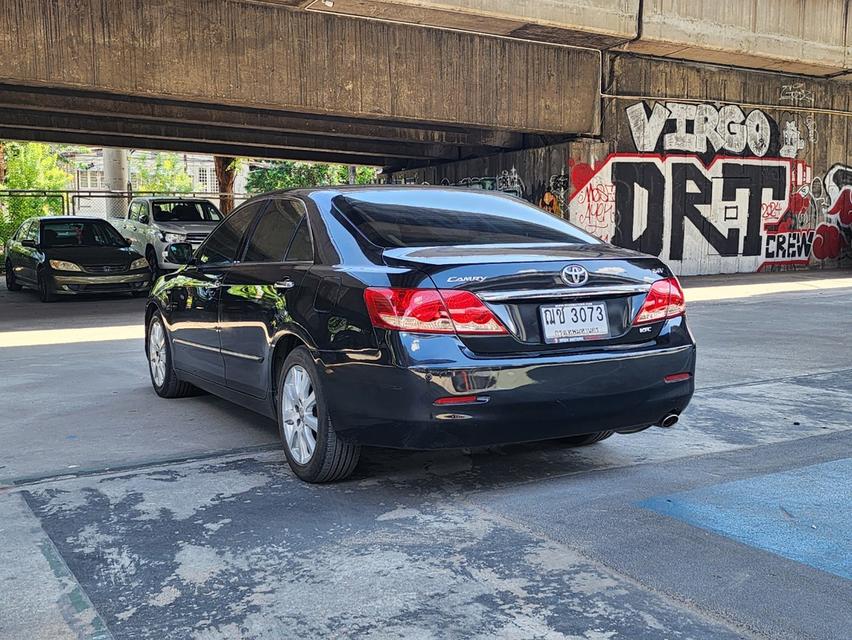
x=715 y=188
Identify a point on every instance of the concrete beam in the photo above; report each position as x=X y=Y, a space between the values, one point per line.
x=85 y=103
x=790 y=36
x=587 y=23
x=268 y=56
x=195 y=146
x=150 y=130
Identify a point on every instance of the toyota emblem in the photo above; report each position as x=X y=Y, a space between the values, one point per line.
x=574 y=275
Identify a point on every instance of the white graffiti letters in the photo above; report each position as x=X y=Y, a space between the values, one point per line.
x=699 y=128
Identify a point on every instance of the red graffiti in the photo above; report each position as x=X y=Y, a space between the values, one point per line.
x=828 y=242
x=842 y=207
x=581 y=174
x=771 y=210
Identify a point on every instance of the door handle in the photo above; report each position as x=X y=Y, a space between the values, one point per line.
x=284 y=284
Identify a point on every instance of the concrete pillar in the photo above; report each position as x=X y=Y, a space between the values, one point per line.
x=116 y=177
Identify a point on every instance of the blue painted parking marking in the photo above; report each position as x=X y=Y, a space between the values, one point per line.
x=804 y=515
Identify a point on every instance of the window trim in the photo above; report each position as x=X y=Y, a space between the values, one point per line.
x=299 y=204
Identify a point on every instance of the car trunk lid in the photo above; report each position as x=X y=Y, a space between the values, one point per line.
x=524 y=287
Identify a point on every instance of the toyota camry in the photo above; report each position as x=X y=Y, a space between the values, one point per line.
x=419 y=317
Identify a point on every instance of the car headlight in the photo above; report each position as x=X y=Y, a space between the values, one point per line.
x=172 y=237
x=141 y=263
x=62 y=265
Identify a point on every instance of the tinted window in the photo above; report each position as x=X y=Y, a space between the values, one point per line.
x=80 y=233
x=221 y=246
x=183 y=211
x=31 y=232
x=427 y=217
x=272 y=234
x=301 y=248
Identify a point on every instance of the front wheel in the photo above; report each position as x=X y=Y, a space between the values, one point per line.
x=314 y=451
x=11 y=282
x=45 y=289
x=151 y=257
x=163 y=376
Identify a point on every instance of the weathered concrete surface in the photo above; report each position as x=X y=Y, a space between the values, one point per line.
x=588 y=23
x=264 y=55
x=779 y=35
x=527 y=541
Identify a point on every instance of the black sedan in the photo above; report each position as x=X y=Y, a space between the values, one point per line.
x=66 y=255
x=419 y=317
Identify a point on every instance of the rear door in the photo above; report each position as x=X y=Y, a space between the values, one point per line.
x=263 y=294
x=29 y=258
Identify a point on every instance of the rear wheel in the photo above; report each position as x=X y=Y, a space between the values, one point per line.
x=45 y=288
x=590 y=438
x=163 y=376
x=11 y=281
x=314 y=451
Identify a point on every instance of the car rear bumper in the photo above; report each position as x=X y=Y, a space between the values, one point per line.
x=520 y=399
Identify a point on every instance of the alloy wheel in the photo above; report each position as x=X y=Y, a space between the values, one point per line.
x=299 y=413
x=157 y=353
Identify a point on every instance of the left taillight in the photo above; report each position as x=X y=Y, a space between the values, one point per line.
x=664 y=300
x=431 y=311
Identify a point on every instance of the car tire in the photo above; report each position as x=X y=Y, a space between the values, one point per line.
x=11 y=281
x=45 y=291
x=153 y=264
x=301 y=406
x=159 y=352
x=590 y=438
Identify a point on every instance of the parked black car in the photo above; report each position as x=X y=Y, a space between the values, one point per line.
x=419 y=317
x=65 y=255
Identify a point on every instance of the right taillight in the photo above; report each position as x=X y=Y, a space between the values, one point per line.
x=431 y=311
x=664 y=300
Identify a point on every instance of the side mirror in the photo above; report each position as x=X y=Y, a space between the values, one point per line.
x=179 y=253
x=143 y=219
x=29 y=243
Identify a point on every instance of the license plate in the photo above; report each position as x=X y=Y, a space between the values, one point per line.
x=572 y=322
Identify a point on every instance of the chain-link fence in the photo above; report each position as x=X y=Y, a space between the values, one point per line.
x=17 y=206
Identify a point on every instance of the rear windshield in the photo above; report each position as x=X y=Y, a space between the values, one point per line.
x=80 y=233
x=392 y=218
x=182 y=211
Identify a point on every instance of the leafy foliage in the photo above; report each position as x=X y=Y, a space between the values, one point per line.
x=165 y=173
x=30 y=166
x=288 y=174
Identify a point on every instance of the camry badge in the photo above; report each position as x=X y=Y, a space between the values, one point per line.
x=574 y=275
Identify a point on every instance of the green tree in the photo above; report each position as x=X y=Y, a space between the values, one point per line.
x=288 y=174
x=30 y=166
x=165 y=173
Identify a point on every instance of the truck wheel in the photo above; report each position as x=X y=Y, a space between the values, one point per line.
x=151 y=257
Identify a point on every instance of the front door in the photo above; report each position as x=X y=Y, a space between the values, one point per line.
x=194 y=302
x=262 y=294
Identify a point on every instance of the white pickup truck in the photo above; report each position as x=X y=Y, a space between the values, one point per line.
x=153 y=223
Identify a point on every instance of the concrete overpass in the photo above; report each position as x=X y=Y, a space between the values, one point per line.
x=362 y=81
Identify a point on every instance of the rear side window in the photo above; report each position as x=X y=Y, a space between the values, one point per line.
x=301 y=248
x=273 y=233
x=222 y=245
x=392 y=218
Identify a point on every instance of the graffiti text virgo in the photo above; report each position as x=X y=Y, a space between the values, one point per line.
x=701 y=129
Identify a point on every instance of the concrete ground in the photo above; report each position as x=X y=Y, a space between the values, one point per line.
x=123 y=515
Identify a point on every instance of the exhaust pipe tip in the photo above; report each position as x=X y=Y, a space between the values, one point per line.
x=669 y=421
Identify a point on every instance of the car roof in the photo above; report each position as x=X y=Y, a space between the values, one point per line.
x=366 y=188
x=170 y=199
x=66 y=218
